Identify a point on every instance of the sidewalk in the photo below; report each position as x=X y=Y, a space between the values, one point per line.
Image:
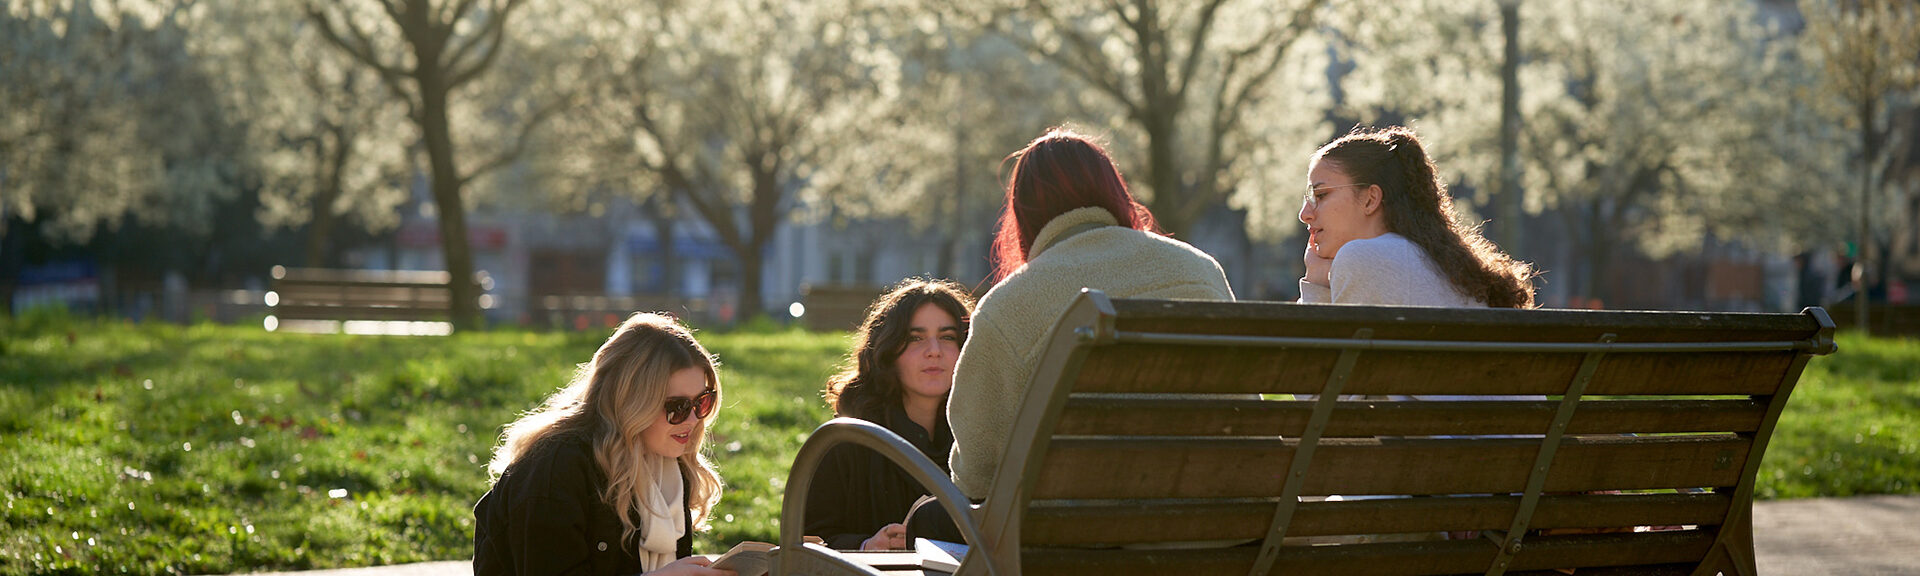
x=1870 y=535
x=1867 y=536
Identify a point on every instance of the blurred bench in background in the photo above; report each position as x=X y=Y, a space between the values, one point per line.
x=839 y=307
x=392 y=302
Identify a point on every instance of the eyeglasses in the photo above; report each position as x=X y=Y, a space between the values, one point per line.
x=701 y=406
x=1313 y=200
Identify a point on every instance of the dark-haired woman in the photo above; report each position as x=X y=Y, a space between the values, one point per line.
x=1381 y=231
x=897 y=376
x=1068 y=223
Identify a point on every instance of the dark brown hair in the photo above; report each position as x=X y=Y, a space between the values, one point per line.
x=869 y=382
x=1418 y=207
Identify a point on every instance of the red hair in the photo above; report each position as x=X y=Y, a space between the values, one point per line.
x=1058 y=172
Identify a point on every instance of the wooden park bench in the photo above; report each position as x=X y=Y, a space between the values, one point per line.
x=1604 y=442
x=363 y=301
x=837 y=307
x=1887 y=319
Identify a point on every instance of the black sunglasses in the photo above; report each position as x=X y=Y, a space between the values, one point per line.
x=701 y=406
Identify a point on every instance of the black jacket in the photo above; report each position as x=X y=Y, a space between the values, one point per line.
x=856 y=490
x=544 y=516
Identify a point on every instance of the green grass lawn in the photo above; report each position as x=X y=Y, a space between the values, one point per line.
x=164 y=449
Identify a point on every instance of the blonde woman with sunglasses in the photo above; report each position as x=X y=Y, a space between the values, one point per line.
x=607 y=476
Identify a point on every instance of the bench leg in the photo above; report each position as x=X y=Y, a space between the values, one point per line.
x=1732 y=554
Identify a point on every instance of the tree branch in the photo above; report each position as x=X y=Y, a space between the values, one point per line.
x=1228 y=110
x=393 y=10
x=1120 y=12
x=360 y=49
x=1195 y=48
x=1092 y=67
x=496 y=30
x=520 y=140
x=448 y=16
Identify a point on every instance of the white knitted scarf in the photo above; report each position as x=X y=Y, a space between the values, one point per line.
x=661 y=531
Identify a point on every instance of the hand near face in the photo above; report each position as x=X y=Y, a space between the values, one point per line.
x=1318 y=268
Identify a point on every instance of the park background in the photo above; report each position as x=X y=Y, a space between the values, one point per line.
x=728 y=160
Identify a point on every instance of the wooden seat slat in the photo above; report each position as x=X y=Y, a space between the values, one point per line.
x=363 y=292
x=363 y=301
x=337 y=276
x=1381 y=559
x=1114 y=522
x=360 y=313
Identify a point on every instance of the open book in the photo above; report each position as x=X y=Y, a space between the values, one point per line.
x=747 y=559
x=755 y=559
x=922 y=557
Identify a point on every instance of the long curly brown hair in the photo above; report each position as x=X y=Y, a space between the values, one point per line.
x=869 y=381
x=1418 y=207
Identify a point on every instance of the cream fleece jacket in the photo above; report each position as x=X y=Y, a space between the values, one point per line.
x=1388 y=270
x=1011 y=326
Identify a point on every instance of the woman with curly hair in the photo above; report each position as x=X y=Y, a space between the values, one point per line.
x=1381 y=230
x=897 y=376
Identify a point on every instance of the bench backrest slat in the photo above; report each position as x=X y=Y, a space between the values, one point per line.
x=1142 y=428
x=1136 y=467
x=1122 y=416
x=1129 y=369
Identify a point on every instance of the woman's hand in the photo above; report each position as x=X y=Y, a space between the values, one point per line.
x=1318 y=268
x=890 y=537
x=695 y=565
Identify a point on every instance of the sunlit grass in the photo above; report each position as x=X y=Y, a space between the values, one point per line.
x=1852 y=426
x=209 y=449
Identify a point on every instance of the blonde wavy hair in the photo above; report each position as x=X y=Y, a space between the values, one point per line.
x=610 y=401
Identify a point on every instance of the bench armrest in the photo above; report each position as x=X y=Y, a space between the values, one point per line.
x=840 y=431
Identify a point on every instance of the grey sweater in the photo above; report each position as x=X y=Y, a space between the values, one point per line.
x=1388 y=270
x=1391 y=270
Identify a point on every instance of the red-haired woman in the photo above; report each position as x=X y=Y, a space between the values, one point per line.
x=1068 y=223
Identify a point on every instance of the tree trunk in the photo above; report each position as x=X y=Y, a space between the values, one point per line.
x=320 y=249
x=1170 y=196
x=465 y=308
x=661 y=212
x=1511 y=198
x=950 y=224
x=763 y=216
x=752 y=270
x=1599 y=253
x=1861 y=266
